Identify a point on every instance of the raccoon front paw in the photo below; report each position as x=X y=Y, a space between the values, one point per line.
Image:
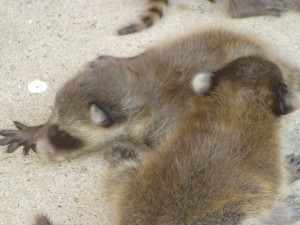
x=24 y=136
x=293 y=166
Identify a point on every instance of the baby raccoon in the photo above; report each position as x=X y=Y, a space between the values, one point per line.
x=115 y=104
x=236 y=8
x=126 y=106
x=213 y=167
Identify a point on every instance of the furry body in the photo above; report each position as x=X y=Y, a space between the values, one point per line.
x=214 y=167
x=135 y=96
x=121 y=106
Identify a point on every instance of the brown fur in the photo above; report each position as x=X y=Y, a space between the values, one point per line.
x=137 y=94
x=214 y=167
x=235 y=8
x=143 y=97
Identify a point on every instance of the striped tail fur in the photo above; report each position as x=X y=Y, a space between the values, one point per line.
x=155 y=11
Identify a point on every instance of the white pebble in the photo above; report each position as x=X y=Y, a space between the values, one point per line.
x=37 y=86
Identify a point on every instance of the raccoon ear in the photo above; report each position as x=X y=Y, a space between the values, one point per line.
x=288 y=101
x=99 y=116
x=201 y=83
x=100 y=61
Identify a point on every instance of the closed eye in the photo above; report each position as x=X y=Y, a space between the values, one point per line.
x=100 y=116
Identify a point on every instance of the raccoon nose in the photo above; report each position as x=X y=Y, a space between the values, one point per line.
x=61 y=139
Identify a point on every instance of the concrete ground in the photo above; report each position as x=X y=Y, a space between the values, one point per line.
x=49 y=41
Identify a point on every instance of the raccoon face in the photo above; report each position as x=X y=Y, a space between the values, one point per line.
x=101 y=107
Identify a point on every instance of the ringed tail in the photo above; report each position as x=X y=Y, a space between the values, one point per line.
x=154 y=13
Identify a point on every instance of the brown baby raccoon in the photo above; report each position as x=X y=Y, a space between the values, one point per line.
x=126 y=106
x=221 y=163
x=214 y=167
x=236 y=9
x=114 y=103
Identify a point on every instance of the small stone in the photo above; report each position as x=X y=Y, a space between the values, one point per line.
x=37 y=86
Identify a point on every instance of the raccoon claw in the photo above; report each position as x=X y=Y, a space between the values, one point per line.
x=294 y=166
x=24 y=136
x=26 y=149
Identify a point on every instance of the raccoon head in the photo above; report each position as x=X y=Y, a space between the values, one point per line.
x=250 y=81
x=102 y=106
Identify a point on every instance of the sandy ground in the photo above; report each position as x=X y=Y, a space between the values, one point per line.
x=49 y=41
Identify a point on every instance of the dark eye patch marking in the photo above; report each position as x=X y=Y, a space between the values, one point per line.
x=61 y=139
